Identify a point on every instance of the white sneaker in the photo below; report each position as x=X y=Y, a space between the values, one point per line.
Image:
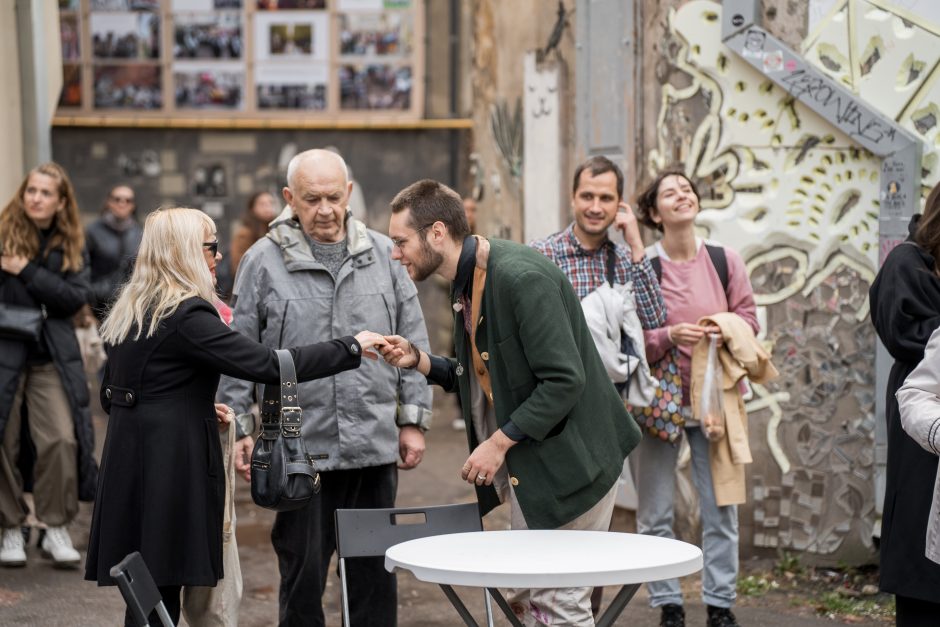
x=12 y=548
x=58 y=545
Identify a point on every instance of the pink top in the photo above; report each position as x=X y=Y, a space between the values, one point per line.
x=693 y=290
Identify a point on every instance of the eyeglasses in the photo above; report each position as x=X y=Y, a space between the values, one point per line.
x=212 y=247
x=123 y=199
x=399 y=242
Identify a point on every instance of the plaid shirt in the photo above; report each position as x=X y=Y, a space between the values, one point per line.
x=587 y=270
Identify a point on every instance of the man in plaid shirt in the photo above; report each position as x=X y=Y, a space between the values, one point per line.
x=581 y=249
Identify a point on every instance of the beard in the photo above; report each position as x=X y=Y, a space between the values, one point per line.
x=428 y=264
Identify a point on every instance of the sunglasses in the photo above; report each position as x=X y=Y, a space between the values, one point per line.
x=122 y=200
x=212 y=247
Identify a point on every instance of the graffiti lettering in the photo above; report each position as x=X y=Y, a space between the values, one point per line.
x=850 y=117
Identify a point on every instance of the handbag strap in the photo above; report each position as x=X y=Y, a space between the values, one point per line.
x=280 y=406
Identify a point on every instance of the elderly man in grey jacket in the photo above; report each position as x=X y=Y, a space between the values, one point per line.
x=320 y=273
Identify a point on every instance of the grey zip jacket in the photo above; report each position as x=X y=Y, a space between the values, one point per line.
x=284 y=298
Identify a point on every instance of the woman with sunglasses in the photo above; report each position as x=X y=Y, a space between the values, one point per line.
x=162 y=483
x=112 y=241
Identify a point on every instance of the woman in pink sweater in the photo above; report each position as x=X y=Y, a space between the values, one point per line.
x=693 y=287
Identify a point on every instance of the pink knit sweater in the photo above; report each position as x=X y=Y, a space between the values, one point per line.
x=693 y=290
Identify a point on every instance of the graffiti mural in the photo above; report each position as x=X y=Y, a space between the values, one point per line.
x=889 y=58
x=799 y=199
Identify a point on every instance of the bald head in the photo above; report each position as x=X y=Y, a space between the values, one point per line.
x=315 y=160
x=318 y=190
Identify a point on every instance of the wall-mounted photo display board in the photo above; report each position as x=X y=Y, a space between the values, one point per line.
x=242 y=59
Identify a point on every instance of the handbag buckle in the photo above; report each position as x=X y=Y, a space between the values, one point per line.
x=290 y=421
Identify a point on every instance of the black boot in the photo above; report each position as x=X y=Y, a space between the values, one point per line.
x=721 y=617
x=672 y=615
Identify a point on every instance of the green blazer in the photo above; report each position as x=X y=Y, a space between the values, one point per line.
x=548 y=379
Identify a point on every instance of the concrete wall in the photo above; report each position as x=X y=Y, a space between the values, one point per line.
x=502 y=33
x=11 y=116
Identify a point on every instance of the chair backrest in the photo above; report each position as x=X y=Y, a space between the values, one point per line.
x=370 y=532
x=137 y=586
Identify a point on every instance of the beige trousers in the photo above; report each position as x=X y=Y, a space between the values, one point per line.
x=560 y=606
x=52 y=429
x=218 y=607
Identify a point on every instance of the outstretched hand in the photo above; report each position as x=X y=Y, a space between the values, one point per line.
x=398 y=352
x=367 y=340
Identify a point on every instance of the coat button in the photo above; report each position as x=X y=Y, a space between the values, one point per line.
x=459 y=370
x=107 y=393
x=129 y=397
x=481 y=371
x=354 y=349
x=513 y=481
x=485 y=356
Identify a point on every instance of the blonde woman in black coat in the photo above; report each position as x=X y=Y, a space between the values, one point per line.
x=43 y=269
x=162 y=484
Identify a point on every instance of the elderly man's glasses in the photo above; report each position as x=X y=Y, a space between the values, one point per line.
x=129 y=200
x=399 y=242
x=212 y=247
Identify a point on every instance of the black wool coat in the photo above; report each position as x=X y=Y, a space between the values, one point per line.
x=162 y=485
x=905 y=309
x=43 y=283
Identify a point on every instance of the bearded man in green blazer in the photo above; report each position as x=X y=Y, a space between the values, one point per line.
x=547 y=430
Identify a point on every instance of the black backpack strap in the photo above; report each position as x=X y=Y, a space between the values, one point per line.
x=611 y=262
x=720 y=261
x=657 y=264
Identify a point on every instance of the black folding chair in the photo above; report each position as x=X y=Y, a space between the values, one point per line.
x=370 y=532
x=139 y=591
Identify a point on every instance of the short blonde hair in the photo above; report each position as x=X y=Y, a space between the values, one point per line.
x=170 y=268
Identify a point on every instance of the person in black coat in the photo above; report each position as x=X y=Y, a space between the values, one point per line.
x=161 y=490
x=43 y=269
x=112 y=242
x=905 y=309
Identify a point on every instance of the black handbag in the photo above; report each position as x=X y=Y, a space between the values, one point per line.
x=283 y=476
x=21 y=323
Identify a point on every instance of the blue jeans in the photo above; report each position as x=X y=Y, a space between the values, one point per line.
x=653 y=465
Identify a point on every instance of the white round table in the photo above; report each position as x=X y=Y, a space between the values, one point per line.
x=545 y=559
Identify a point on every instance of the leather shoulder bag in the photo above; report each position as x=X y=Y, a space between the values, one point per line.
x=283 y=476
x=21 y=323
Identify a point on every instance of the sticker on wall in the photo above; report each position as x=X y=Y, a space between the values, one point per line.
x=754 y=44
x=773 y=61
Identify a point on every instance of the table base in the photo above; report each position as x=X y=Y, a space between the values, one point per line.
x=611 y=614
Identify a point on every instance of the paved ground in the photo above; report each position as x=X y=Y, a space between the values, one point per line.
x=40 y=595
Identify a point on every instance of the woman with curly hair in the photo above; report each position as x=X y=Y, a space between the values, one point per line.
x=43 y=270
